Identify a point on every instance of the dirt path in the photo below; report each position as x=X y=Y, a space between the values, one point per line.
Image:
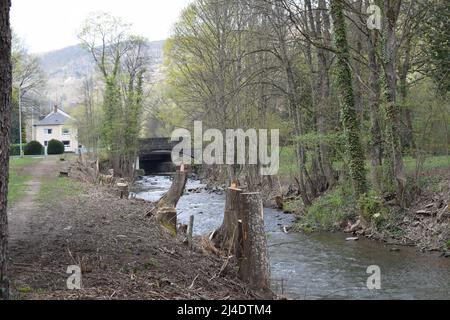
x=122 y=253
x=27 y=207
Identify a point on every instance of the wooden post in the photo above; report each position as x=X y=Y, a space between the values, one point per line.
x=254 y=265
x=190 y=231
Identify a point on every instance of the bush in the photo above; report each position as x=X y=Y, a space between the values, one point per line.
x=15 y=149
x=55 y=147
x=372 y=207
x=34 y=148
x=330 y=212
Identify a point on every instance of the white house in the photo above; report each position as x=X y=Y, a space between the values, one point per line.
x=57 y=125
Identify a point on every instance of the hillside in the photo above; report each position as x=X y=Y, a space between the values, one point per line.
x=67 y=67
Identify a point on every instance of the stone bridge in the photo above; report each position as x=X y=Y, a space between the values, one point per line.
x=155 y=155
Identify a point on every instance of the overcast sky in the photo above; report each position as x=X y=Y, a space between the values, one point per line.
x=47 y=25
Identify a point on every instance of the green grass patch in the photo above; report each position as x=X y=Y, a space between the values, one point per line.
x=289 y=164
x=434 y=162
x=53 y=189
x=18 y=178
x=18 y=163
x=329 y=212
x=25 y=290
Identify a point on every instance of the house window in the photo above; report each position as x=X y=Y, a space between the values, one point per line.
x=46 y=143
x=65 y=131
x=66 y=144
x=48 y=131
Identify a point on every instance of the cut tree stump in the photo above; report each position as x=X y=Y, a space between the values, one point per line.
x=123 y=188
x=254 y=265
x=226 y=236
x=64 y=172
x=166 y=212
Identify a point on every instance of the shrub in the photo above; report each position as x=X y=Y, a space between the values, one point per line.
x=55 y=147
x=371 y=206
x=33 y=148
x=15 y=149
x=330 y=212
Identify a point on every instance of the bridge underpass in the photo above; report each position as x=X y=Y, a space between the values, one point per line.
x=155 y=155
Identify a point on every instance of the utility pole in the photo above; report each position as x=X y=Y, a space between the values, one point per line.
x=32 y=123
x=20 y=124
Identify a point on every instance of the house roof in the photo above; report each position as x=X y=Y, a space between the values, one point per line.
x=55 y=118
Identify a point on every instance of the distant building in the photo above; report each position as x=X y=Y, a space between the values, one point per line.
x=57 y=125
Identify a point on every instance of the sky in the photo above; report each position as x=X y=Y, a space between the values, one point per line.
x=46 y=25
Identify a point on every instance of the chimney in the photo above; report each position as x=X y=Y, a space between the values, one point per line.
x=55 y=108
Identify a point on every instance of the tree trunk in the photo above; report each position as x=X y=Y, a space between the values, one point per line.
x=5 y=123
x=166 y=212
x=254 y=265
x=396 y=166
x=324 y=106
x=376 y=155
x=226 y=236
x=407 y=128
x=349 y=119
x=242 y=234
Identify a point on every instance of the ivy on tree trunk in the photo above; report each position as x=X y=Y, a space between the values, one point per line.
x=347 y=101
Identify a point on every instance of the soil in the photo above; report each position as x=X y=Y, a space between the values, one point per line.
x=122 y=253
x=426 y=223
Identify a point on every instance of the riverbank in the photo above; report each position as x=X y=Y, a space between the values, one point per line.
x=122 y=253
x=425 y=224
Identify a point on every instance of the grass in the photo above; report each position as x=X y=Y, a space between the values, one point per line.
x=18 y=178
x=432 y=162
x=289 y=166
x=57 y=188
x=328 y=212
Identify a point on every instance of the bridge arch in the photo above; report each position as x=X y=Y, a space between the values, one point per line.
x=155 y=155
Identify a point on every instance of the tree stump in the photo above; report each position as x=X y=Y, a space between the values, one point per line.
x=254 y=265
x=226 y=236
x=242 y=233
x=123 y=189
x=166 y=212
x=167 y=217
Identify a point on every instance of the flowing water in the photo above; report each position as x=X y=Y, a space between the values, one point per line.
x=319 y=266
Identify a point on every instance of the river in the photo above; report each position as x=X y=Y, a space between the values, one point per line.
x=319 y=266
